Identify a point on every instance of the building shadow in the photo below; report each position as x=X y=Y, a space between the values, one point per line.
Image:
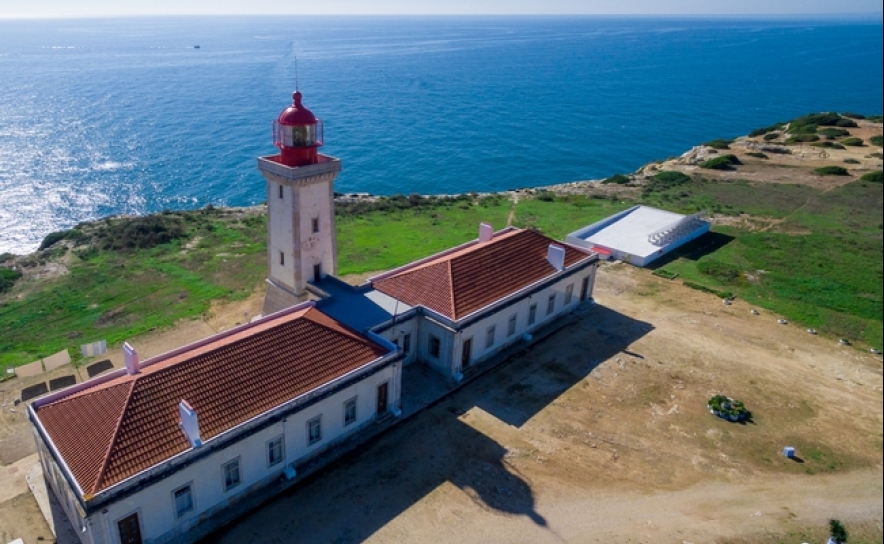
x=539 y=376
x=351 y=499
x=709 y=242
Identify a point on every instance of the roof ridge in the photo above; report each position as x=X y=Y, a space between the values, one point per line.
x=451 y=290
x=113 y=440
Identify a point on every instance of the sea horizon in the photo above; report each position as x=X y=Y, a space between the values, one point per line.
x=124 y=115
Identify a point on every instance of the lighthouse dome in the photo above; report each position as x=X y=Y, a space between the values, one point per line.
x=296 y=114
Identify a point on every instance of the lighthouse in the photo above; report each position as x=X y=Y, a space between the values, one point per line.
x=301 y=247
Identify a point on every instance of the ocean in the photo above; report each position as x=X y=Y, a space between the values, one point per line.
x=111 y=116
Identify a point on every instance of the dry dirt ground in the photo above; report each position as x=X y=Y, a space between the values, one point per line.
x=598 y=434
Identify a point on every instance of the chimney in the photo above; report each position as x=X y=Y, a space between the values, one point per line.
x=486 y=232
x=130 y=356
x=189 y=423
x=556 y=256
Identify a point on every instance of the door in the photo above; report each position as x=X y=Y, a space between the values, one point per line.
x=382 y=399
x=584 y=288
x=317 y=273
x=130 y=531
x=467 y=353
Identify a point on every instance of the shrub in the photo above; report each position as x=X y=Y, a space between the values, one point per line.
x=725 y=162
x=765 y=130
x=845 y=123
x=837 y=531
x=703 y=288
x=800 y=138
x=877 y=140
x=828 y=145
x=667 y=179
x=757 y=155
x=831 y=171
x=832 y=133
x=619 y=179
x=771 y=136
x=875 y=118
x=720 y=271
x=853 y=115
x=851 y=161
x=719 y=143
x=855 y=142
x=6 y=257
x=8 y=277
x=144 y=232
x=546 y=196
x=53 y=238
x=808 y=124
x=877 y=176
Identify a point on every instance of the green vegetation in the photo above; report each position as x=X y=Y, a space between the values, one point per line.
x=666 y=179
x=618 y=179
x=828 y=145
x=853 y=115
x=802 y=138
x=837 y=531
x=832 y=133
x=757 y=155
x=663 y=273
x=876 y=176
x=771 y=136
x=719 y=143
x=8 y=277
x=877 y=140
x=809 y=124
x=851 y=161
x=725 y=162
x=759 y=131
x=855 y=142
x=717 y=292
x=831 y=171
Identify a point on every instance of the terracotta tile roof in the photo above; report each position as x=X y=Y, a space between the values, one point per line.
x=467 y=280
x=118 y=428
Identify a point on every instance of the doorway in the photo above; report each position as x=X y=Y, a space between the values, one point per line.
x=382 y=399
x=130 y=530
x=467 y=353
x=317 y=273
x=584 y=288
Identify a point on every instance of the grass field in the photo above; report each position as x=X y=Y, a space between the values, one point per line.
x=813 y=257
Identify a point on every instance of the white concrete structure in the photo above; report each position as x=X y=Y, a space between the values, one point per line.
x=640 y=234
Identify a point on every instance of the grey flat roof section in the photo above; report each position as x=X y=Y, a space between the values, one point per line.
x=360 y=308
x=630 y=232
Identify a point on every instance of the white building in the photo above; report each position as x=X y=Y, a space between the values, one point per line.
x=147 y=452
x=640 y=234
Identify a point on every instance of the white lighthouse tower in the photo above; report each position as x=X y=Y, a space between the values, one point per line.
x=301 y=245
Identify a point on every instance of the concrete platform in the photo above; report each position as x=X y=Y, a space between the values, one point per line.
x=50 y=508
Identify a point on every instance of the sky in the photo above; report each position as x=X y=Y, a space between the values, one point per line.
x=110 y=8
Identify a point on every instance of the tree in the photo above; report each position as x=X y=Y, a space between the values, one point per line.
x=838 y=532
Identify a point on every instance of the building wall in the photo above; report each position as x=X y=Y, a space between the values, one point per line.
x=59 y=485
x=280 y=234
x=155 y=504
x=314 y=202
x=396 y=333
x=428 y=328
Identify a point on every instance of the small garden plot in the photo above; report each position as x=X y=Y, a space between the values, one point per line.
x=728 y=408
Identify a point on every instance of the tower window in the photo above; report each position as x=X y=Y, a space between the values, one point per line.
x=280 y=191
x=281 y=258
x=315 y=225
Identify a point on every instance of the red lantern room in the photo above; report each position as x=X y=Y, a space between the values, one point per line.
x=298 y=134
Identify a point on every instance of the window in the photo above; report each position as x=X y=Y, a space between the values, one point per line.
x=489 y=337
x=569 y=291
x=350 y=411
x=274 y=451
x=532 y=314
x=314 y=430
x=231 y=474
x=280 y=191
x=551 y=304
x=511 y=326
x=435 y=346
x=183 y=500
x=406 y=343
x=315 y=225
x=281 y=258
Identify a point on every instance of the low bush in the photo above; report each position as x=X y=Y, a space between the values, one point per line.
x=765 y=130
x=8 y=277
x=720 y=271
x=802 y=138
x=832 y=133
x=875 y=118
x=831 y=171
x=703 y=288
x=719 y=143
x=619 y=179
x=6 y=257
x=771 y=136
x=808 y=124
x=853 y=115
x=663 y=273
x=667 y=179
x=851 y=161
x=757 y=155
x=143 y=232
x=53 y=238
x=546 y=196
x=845 y=123
x=725 y=162
x=877 y=140
x=876 y=176
x=855 y=142
x=828 y=145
